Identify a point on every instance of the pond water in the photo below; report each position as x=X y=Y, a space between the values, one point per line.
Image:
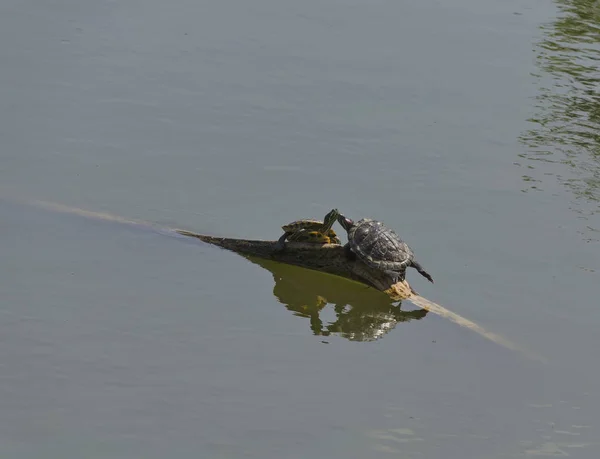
x=471 y=128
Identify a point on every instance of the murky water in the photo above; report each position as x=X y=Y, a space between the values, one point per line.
x=469 y=127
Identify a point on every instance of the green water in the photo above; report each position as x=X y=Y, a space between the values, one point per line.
x=470 y=128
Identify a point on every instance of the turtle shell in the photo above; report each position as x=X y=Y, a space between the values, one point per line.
x=307 y=224
x=379 y=246
x=315 y=237
x=308 y=231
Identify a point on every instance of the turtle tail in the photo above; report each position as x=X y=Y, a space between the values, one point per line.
x=422 y=272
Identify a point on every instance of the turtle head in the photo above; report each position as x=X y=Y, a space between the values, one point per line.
x=330 y=219
x=345 y=222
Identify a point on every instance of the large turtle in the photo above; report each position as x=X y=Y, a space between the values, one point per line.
x=308 y=230
x=379 y=247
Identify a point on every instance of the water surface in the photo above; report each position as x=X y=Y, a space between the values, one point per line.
x=468 y=127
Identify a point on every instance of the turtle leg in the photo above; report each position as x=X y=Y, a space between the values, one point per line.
x=280 y=244
x=350 y=255
x=395 y=275
x=421 y=271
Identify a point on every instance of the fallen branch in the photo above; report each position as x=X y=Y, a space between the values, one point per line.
x=325 y=258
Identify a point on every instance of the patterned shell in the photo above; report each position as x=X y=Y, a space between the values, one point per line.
x=302 y=224
x=379 y=246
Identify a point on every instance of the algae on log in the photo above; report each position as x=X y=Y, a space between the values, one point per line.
x=329 y=258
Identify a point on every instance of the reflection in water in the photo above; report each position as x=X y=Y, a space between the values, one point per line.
x=361 y=313
x=567 y=123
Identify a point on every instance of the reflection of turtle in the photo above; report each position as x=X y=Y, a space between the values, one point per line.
x=335 y=306
x=379 y=247
x=314 y=231
x=357 y=322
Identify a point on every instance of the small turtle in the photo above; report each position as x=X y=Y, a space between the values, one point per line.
x=314 y=231
x=379 y=247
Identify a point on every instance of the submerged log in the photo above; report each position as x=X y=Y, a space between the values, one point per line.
x=328 y=258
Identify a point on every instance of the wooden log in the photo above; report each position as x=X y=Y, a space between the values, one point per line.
x=329 y=258
x=326 y=258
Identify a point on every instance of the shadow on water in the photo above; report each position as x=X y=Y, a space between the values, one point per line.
x=566 y=129
x=361 y=313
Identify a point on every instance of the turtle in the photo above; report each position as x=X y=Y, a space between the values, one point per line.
x=309 y=230
x=379 y=247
